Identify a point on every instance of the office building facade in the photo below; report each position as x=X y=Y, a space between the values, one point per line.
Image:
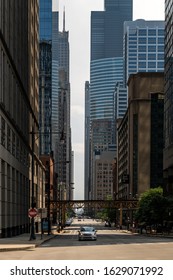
x=107 y=28
x=45 y=76
x=87 y=143
x=104 y=75
x=101 y=138
x=143 y=47
x=102 y=171
x=140 y=136
x=55 y=84
x=168 y=105
x=18 y=115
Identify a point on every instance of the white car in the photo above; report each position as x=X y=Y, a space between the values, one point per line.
x=68 y=222
x=87 y=233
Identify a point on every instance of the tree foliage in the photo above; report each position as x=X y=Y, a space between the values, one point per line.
x=152 y=207
x=107 y=213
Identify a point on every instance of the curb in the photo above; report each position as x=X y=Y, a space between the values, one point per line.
x=24 y=246
x=17 y=248
x=44 y=241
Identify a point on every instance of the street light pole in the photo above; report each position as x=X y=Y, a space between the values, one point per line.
x=48 y=196
x=32 y=234
x=59 y=210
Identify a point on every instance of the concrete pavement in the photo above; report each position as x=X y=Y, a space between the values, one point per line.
x=22 y=242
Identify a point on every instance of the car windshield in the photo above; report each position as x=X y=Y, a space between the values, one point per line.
x=87 y=229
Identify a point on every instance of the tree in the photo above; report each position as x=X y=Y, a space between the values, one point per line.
x=107 y=213
x=152 y=208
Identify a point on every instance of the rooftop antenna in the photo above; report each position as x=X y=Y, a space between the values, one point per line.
x=64 y=20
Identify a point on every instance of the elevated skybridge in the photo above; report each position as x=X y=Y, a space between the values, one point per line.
x=62 y=206
x=99 y=204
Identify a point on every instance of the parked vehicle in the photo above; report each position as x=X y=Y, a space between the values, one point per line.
x=68 y=222
x=87 y=233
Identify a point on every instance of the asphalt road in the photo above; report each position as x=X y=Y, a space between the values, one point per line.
x=111 y=244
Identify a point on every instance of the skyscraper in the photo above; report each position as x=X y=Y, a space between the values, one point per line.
x=106 y=62
x=45 y=76
x=107 y=28
x=64 y=150
x=143 y=47
x=87 y=143
x=101 y=134
x=168 y=104
x=106 y=66
x=18 y=114
x=55 y=84
x=104 y=75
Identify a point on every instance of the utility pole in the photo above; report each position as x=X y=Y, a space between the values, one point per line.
x=48 y=195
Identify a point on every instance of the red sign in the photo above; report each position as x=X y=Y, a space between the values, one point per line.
x=32 y=212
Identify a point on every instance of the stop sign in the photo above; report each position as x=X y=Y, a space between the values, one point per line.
x=32 y=212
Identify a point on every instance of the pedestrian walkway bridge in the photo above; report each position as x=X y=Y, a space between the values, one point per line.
x=99 y=204
x=62 y=206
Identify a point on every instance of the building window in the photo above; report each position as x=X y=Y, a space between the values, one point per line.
x=13 y=144
x=8 y=138
x=151 y=48
x=2 y=132
x=151 y=32
x=142 y=32
x=142 y=40
x=18 y=149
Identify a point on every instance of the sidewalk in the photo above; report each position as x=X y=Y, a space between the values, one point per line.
x=22 y=242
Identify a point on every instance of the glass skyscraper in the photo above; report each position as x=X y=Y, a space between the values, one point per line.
x=104 y=75
x=107 y=28
x=143 y=47
x=106 y=64
x=168 y=104
x=45 y=15
x=45 y=76
x=55 y=83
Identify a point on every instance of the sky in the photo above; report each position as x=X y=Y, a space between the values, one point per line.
x=77 y=13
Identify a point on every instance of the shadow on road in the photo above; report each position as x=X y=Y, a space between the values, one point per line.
x=105 y=236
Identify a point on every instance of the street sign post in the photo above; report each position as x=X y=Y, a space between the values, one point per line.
x=32 y=212
x=42 y=212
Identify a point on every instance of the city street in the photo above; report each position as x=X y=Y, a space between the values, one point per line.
x=111 y=244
